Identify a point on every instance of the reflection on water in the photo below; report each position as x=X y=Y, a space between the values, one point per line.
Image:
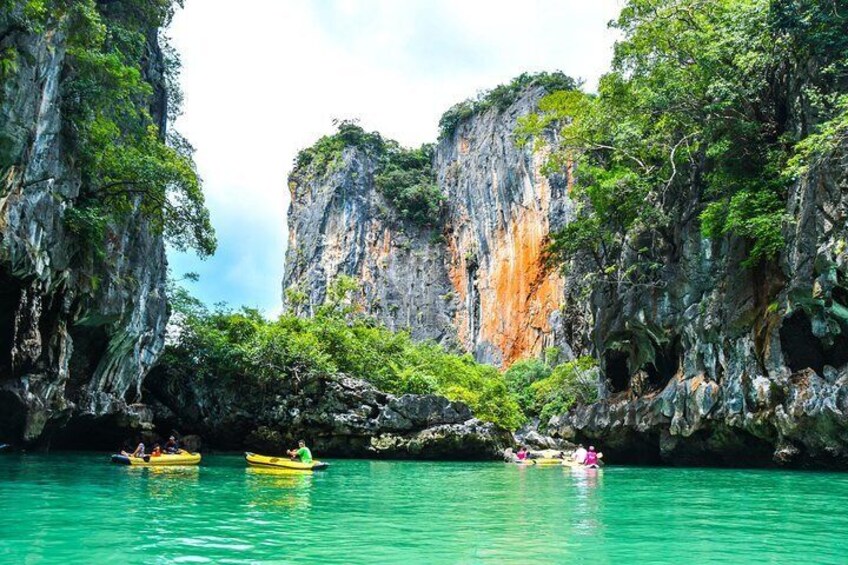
x=278 y=488
x=587 y=500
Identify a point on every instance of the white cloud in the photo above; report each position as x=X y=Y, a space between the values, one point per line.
x=266 y=78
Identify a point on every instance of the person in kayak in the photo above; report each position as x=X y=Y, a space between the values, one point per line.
x=139 y=451
x=591 y=457
x=580 y=454
x=171 y=446
x=522 y=454
x=302 y=453
x=157 y=451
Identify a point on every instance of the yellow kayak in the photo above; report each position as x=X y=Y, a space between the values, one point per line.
x=283 y=463
x=166 y=459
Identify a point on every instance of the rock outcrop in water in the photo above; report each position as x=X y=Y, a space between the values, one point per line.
x=738 y=377
x=718 y=363
x=474 y=279
x=78 y=331
x=338 y=416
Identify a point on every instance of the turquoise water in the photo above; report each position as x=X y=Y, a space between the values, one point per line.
x=77 y=508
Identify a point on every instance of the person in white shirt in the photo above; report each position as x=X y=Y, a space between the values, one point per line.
x=580 y=454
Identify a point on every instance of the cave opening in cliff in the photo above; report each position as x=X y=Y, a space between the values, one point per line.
x=90 y=343
x=616 y=371
x=104 y=433
x=10 y=296
x=803 y=350
x=12 y=417
x=665 y=366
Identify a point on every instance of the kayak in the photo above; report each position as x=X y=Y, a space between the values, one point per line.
x=166 y=459
x=4 y=446
x=524 y=462
x=550 y=461
x=283 y=463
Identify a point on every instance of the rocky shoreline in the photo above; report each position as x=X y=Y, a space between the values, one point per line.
x=338 y=416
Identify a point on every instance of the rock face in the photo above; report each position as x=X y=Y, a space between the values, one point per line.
x=477 y=280
x=340 y=224
x=717 y=362
x=751 y=365
x=338 y=416
x=77 y=332
x=501 y=209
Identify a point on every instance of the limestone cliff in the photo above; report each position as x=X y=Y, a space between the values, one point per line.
x=715 y=363
x=78 y=330
x=744 y=366
x=501 y=209
x=473 y=279
x=339 y=224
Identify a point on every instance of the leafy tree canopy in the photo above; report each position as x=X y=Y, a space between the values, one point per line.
x=110 y=107
x=224 y=346
x=709 y=101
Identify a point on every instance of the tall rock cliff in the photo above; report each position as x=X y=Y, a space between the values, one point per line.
x=78 y=330
x=501 y=207
x=474 y=278
x=717 y=362
x=340 y=224
x=727 y=364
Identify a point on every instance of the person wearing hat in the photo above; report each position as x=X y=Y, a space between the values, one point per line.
x=171 y=446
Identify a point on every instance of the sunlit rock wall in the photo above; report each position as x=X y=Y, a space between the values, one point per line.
x=339 y=224
x=501 y=209
x=476 y=281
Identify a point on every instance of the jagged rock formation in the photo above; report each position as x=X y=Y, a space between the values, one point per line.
x=340 y=224
x=717 y=363
x=751 y=365
x=501 y=209
x=78 y=332
x=475 y=280
x=339 y=416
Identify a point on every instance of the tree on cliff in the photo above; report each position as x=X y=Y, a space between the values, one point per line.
x=694 y=120
x=118 y=89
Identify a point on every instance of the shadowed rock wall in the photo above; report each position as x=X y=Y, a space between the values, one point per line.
x=78 y=332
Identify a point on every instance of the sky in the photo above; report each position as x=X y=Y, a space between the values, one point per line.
x=264 y=78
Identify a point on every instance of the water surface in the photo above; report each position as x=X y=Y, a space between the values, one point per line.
x=77 y=508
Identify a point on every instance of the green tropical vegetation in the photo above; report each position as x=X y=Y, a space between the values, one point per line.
x=113 y=118
x=697 y=110
x=223 y=344
x=544 y=388
x=501 y=97
x=405 y=177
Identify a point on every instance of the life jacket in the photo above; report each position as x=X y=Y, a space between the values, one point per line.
x=591 y=458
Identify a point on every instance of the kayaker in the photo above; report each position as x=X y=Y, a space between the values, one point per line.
x=302 y=452
x=171 y=446
x=522 y=454
x=139 y=451
x=580 y=454
x=157 y=451
x=591 y=457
